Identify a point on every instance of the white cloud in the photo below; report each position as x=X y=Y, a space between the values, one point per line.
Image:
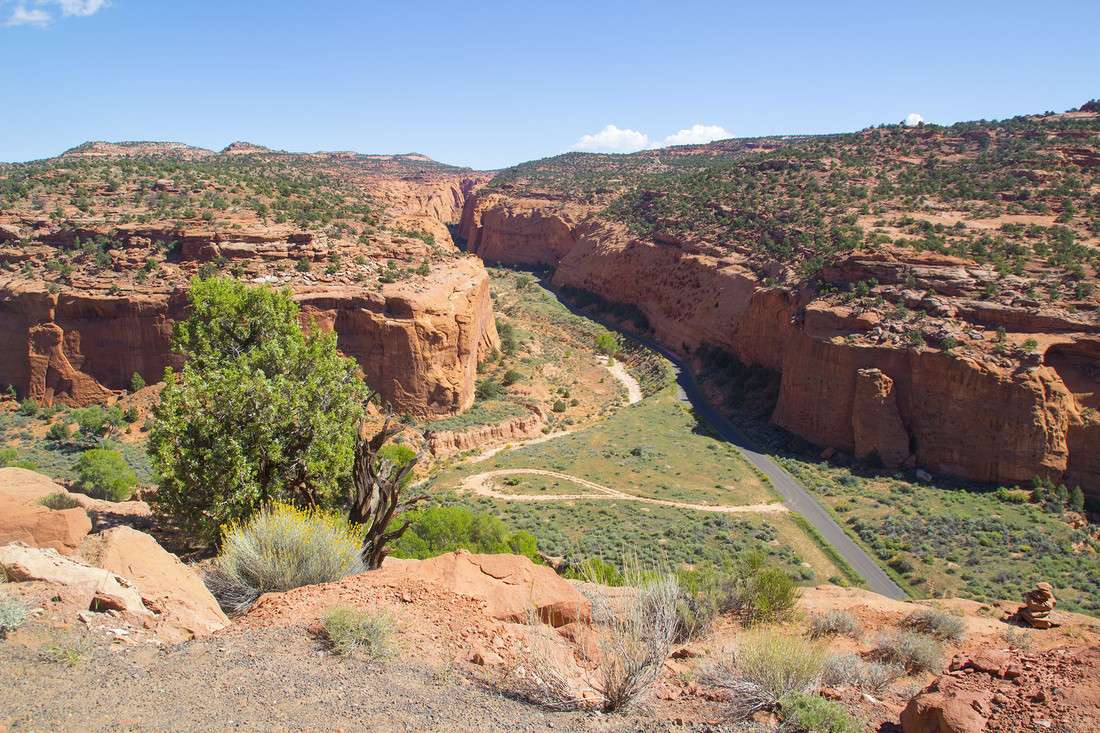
x=41 y=14
x=80 y=7
x=913 y=119
x=21 y=16
x=612 y=140
x=697 y=135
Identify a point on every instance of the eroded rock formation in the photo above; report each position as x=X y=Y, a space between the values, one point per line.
x=848 y=380
x=417 y=342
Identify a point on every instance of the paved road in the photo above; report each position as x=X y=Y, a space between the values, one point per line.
x=796 y=496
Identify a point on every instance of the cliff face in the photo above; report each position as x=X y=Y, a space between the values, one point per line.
x=985 y=419
x=417 y=343
x=446 y=443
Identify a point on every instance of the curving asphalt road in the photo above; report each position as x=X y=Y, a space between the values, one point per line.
x=796 y=497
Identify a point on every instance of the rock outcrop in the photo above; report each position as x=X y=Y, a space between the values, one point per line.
x=39 y=526
x=103 y=589
x=512 y=587
x=182 y=603
x=986 y=419
x=23 y=519
x=446 y=443
x=26 y=487
x=1008 y=691
x=417 y=343
x=876 y=424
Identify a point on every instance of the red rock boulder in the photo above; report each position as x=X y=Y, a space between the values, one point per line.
x=39 y=526
x=184 y=606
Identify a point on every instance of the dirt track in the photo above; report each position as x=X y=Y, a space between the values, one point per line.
x=482 y=485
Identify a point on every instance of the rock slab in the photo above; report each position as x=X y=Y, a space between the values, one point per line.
x=109 y=591
x=167 y=587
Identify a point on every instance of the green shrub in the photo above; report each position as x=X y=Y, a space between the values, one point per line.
x=835 y=623
x=803 y=712
x=28 y=407
x=90 y=421
x=559 y=406
x=607 y=344
x=13 y=612
x=767 y=665
x=400 y=455
x=137 y=382
x=910 y=651
x=131 y=414
x=362 y=633
x=58 y=432
x=439 y=530
x=510 y=377
x=487 y=389
x=769 y=595
x=104 y=474
x=595 y=570
x=281 y=548
x=936 y=623
x=59 y=500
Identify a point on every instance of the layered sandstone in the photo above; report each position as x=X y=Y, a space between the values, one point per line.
x=97 y=267
x=417 y=342
x=446 y=443
x=847 y=379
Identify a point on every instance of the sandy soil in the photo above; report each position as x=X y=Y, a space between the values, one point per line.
x=633 y=389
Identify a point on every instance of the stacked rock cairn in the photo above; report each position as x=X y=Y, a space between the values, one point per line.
x=1039 y=611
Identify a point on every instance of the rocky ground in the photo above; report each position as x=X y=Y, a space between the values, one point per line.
x=124 y=637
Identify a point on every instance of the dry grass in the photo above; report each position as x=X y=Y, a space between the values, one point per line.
x=361 y=633
x=912 y=651
x=767 y=665
x=835 y=623
x=610 y=663
x=936 y=623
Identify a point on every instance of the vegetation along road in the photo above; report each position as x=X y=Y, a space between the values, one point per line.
x=796 y=497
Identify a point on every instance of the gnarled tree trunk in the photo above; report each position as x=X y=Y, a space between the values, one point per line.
x=376 y=494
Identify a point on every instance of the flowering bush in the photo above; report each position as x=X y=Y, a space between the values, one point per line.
x=280 y=548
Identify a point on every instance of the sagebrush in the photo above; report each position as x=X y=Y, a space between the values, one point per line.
x=766 y=666
x=622 y=654
x=936 y=623
x=281 y=548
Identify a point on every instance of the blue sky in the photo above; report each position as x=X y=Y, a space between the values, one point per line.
x=489 y=84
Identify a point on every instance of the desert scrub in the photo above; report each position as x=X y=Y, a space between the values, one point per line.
x=13 y=612
x=621 y=654
x=766 y=666
x=851 y=670
x=280 y=548
x=835 y=623
x=59 y=500
x=358 y=632
x=911 y=651
x=803 y=712
x=936 y=623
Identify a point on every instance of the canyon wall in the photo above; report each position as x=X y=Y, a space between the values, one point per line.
x=417 y=342
x=984 y=420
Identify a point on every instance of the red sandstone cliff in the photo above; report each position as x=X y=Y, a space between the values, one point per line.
x=417 y=342
x=843 y=383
